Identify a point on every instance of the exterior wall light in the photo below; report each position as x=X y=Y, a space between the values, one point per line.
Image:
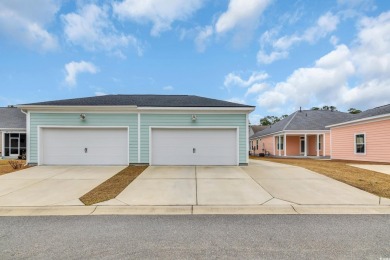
x=82 y=117
x=193 y=117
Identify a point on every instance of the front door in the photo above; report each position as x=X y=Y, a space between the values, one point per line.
x=302 y=145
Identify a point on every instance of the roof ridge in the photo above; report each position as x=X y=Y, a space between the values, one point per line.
x=284 y=128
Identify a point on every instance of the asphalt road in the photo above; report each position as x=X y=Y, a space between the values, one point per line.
x=189 y=237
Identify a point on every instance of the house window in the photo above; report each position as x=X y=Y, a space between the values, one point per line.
x=281 y=144
x=257 y=144
x=360 y=143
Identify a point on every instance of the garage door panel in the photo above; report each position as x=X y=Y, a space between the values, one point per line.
x=212 y=147
x=66 y=146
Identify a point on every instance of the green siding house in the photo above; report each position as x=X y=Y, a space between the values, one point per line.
x=146 y=129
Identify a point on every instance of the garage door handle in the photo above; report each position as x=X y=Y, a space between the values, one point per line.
x=193 y=150
x=85 y=150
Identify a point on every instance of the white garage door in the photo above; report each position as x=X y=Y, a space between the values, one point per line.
x=194 y=147
x=84 y=146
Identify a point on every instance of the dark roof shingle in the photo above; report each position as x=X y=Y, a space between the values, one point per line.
x=12 y=118
x=307 y=120
x=141 y=101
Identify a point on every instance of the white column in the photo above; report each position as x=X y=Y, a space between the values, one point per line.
x=305 y=145
x=285 y=145
x=274 y=146
x=279 y=145
x=323 y=145
x=3 y=144
x=318 y=145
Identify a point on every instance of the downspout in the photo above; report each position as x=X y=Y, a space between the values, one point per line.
x=27 y=134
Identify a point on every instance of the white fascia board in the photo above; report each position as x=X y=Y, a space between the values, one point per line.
x=79 y=108
x=362 y=120
x=197 y=109
x=292 y=132
x=12 y=129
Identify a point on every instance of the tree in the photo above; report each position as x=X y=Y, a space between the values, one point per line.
x=315 y=108
x=325 y=108
x=354 y=111
x=333 y=108
x=270 y=120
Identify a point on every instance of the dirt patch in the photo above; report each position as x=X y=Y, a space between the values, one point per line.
x=374 y=182
x=113 y=186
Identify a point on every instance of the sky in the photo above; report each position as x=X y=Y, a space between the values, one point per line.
x=276 y=55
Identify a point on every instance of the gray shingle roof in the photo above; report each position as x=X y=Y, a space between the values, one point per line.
x=142 y=101
x=382 y=110
x=307 y=120
x=257 y=128
x=12 y=117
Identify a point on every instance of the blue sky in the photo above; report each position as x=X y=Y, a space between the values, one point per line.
x=277 y=55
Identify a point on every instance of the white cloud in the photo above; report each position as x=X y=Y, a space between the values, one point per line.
x=280 y=47
x=98 y=93
x=355 y=76
x=203 y=37
x=92 y=29
x=256 y=88
x=26 y=23
x=241 y=14
x=233 y=79
x=161 y=13
x=74 y=68
x=168 y=88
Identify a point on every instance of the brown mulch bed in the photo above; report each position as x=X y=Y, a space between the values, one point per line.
x=113 y=186
x=374 y=182
x=5 y=167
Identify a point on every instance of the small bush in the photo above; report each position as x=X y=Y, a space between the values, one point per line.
x=16 y=164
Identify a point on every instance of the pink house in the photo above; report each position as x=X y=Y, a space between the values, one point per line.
x=303 y=133
x=324 y=133
x=364 y=138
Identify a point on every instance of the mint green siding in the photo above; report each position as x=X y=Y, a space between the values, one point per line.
x=93 y=119
x=131 y=120
x=203 y=120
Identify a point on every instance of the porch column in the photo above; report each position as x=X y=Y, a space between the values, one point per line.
x=305 y=145
x=318 y=145
x=323 y=144
x=279 y=145
x=274 y=146
x=285 y=144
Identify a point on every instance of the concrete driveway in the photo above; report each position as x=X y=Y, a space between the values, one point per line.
x=52 y=185
x=260 y=183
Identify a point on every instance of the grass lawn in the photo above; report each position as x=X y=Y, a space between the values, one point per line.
x=5 y=167
x=113 y=186
x=370 y=181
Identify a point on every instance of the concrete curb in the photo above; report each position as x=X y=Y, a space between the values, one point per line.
x=190 y=210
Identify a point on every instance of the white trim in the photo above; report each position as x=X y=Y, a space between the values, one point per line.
x=279 y=153
x=285 y=144
x=39 y=134
x=125 y=109
x=323 y=144
x=292 y=132
x=274 y=137
x=170 y=112
x=13 y=129
x=365 y=143
x=195 y=127
x=28 y=118
x=362 y=120
x=139 y=138
x=330 y=144
x=246 y=138
x=238 y=146
x=318 y=145
x=2 y=144
x=305 y=145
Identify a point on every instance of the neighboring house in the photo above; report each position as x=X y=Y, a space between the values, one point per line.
x=150 y=129
x=13 y=132
x=302 y=133
x=364 y=138
x=253 y=129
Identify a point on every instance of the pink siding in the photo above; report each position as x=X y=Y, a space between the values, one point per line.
x=327 y=145
x=377 y=141
x=293 y=146
x=312 y=145
x=266 y=143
